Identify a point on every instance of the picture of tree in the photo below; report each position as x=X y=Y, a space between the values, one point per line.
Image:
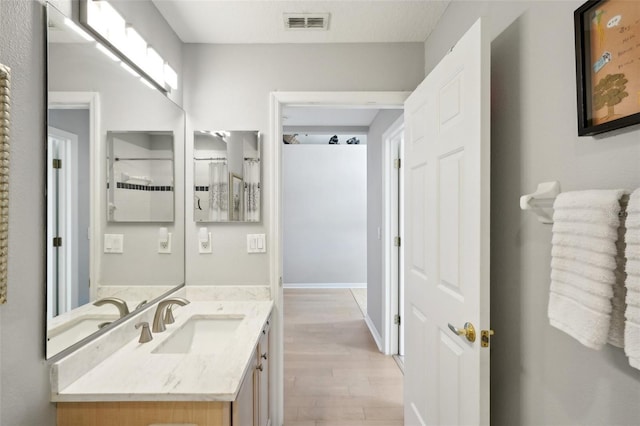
x=609 y=91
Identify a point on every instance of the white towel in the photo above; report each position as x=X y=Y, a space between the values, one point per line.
x=583 y=266
x=632 y=253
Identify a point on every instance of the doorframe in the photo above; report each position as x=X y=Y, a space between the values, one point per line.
x=90 y=101
x=391 y=268
x=273 y=169
x=67 y=215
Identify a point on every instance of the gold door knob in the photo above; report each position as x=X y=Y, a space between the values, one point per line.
x=468 y=331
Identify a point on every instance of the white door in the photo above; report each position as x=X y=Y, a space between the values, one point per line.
x=447 y=152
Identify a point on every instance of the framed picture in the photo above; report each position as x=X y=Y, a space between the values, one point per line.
x=235 y=196
x=607 y=36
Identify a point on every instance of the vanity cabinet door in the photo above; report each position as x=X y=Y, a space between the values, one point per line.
x=244 y=410
x=264 y=378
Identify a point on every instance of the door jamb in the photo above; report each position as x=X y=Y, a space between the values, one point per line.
x=273 y=169
x=90 y=101
x=390 y=266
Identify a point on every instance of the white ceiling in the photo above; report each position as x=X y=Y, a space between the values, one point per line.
x=319 y=116
x=251 y=21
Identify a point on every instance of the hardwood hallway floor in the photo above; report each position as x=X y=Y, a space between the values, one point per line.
x=334 y=373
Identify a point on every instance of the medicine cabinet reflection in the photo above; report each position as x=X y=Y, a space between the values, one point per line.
x=140 y=176
x=227 y=176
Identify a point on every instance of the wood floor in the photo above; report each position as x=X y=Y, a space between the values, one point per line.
x=334 y=373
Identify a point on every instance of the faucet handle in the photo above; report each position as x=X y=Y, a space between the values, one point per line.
x=140 y=305
x=145 y=335
x=168 y=315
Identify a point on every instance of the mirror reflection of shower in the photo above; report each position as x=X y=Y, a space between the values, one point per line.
x=227 y=176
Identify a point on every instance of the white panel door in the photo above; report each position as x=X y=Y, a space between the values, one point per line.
x=447 y=152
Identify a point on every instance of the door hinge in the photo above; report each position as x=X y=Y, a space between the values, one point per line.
x=485 y=337
x=396 y=319
x=397 y=241
x=57 y=241
x=397 y=163
x=57 y=163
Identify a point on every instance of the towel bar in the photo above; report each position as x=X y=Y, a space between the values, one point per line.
x=541 y=201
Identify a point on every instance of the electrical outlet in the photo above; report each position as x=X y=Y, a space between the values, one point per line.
x=204 y=246
x=164 y=247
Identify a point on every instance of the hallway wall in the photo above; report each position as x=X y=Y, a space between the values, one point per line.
x=324 y=212
x=539 y=375
x=24 y=375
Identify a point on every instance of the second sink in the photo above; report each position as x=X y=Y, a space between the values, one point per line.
x=201 y=334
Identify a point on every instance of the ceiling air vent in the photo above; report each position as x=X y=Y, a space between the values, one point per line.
x=306 y=21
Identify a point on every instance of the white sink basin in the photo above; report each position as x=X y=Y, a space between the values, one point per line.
x=201 y=334
x=74 y=330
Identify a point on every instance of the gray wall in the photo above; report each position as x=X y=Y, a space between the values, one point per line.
x=76 y=121
x=229 y=87
x=539 y=375
x=375 y=195
x=24 y=376
x=324 y=212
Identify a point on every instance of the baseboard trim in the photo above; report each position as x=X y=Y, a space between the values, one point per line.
x=374 y=332
x=324 y=285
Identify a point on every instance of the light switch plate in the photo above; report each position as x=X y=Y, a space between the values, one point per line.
x=113 y=243
x=256 y=243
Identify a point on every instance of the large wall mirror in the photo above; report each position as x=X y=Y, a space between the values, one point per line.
x=108 y=251
x=227 y=176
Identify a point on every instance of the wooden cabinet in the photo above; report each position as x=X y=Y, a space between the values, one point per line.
x=250 y=408
x=263 y=374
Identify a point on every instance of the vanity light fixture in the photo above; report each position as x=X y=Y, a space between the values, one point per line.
x=69 y=23
x=121 y=39
x=129 y=69
x=107 y=52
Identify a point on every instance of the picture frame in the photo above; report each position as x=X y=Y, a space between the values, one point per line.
x=607 y=47
x=235 y=197
x=5 y=123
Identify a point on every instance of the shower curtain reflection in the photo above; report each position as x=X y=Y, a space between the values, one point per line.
x=218 y=191
x=252 y=189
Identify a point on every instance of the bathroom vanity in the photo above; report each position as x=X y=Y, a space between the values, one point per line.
x=209 y=368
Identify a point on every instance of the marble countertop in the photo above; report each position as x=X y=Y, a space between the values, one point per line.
x=135 y=373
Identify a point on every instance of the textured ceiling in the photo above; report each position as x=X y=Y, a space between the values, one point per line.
x=351 y=21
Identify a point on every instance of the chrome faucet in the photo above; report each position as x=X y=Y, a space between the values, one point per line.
x=118 y=303
x=158 y=321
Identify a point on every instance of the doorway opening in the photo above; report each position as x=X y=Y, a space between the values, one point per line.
x=281 y=104
x=71 y=139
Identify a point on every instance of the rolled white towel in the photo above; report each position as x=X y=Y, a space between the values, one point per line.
x=585 y=255
x=598 y=199
x=601 y=217
x=599 y=245
x=585 y=229
x=583 y=265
